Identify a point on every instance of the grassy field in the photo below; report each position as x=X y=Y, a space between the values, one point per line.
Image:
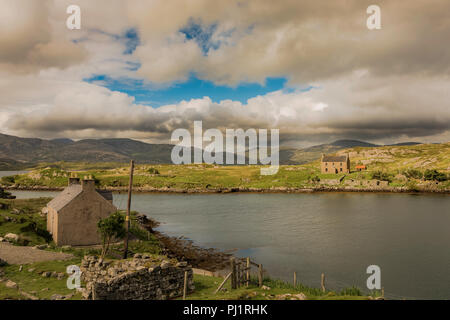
x=393 y=164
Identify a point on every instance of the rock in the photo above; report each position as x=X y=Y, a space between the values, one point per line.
x=31 y=270
x=60 y=275
x=54 y=274
x=16 y=211
x=181 y=264
x=46 y=274
x=41 y=246
x=2 y=239
x=11 y=284
x=66 y=247
x=138 y=256
x=300 y=296
x=20 y=268
x=44 y=211
x=165 y=264
x=12 y=237
x=57 y=297
x=69 y=296
x=265 y=288
x=3 y=263
x=45 y=289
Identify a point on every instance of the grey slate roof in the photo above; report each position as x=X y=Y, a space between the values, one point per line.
x=334 y=159
x=67 y=195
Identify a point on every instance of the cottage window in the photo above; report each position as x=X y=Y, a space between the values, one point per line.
x=341 y=164
x=326 y=169
x=341 y=169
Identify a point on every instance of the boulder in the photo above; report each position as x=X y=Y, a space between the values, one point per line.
x=11 y=284
x=3 y=263
x=12 y=237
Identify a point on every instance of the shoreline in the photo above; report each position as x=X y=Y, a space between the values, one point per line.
x=322 y=189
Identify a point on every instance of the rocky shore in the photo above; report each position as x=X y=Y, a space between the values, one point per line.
x=321 y=188
x=183 y=249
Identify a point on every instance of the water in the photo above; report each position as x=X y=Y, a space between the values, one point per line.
x=339 y=234
x=11 y=173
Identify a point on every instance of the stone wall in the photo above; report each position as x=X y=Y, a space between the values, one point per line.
x=140 y=278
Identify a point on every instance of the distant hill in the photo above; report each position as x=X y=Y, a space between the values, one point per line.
x=19 y=153
x=14 y=150
x=301 y=156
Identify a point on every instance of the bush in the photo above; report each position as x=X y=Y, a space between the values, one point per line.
x=112 y=227
x=8 y=180
x=434 y=175
x=153 y=171
x=382 y=176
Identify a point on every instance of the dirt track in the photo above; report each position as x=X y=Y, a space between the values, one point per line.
x=23 y=255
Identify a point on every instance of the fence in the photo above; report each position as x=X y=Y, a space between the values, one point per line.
x=240 y=273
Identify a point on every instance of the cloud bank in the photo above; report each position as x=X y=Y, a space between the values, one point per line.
x=385 y=85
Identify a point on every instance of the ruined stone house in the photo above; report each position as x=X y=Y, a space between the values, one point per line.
x=72 y=216
x=334 y=164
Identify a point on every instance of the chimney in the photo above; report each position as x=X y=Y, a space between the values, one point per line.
x=74 y=180
x=88 y=184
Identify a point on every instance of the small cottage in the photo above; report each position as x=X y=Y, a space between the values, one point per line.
x=335 y=164
x=72 y=216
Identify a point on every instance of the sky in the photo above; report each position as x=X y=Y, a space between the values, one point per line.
x=141 y=69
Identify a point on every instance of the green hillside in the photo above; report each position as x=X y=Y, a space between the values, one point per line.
x=417 y=167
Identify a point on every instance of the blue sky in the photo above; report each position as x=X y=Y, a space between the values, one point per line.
x=194 y=88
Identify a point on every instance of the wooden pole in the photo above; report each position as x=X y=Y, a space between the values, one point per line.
x=223 y=282
x=185 y=285
x=233 y=274
x=239 y=274
x=248 y=272
x=295 y=279
x=127 y=218
x=260 y=275
x=322 y=282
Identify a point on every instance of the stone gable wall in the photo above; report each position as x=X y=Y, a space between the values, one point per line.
x=140 y=278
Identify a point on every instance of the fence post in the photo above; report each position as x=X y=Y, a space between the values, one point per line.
x=295 y=278
x=322 y=282
x=233 y=274
x=185 y=285
x=260 y=275
x=239 y=274
x=248 y=272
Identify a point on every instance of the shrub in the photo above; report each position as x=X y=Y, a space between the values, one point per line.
x=111 y=228
x=434 y=175
x=153 y=171
x=8 y=180
x=382 y=176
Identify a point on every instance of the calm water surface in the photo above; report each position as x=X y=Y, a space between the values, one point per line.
x=340 y=234
x=11 y=173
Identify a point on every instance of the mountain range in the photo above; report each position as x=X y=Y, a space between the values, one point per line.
x=18 y=153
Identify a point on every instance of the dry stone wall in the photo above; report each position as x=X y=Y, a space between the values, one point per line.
x=140 y=278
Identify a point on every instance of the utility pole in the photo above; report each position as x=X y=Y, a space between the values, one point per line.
x=127 y=218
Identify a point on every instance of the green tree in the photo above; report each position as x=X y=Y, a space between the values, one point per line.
x=110 y=228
